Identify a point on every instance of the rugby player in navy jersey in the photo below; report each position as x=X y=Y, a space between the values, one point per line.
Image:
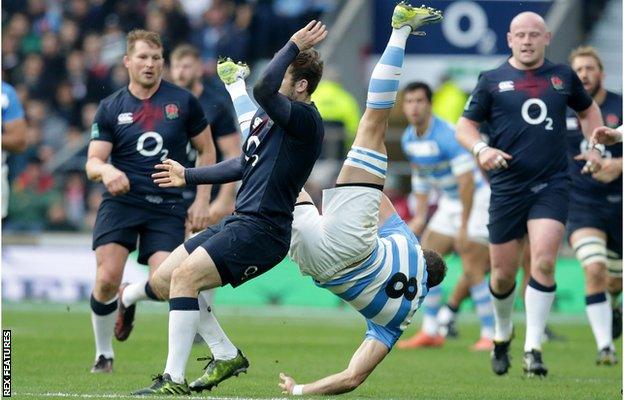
x=524 y=102
x=595 y=216
x=134 y=128
x=283 y=144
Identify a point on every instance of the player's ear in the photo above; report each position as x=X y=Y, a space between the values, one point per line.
x=126 y=60
x=301 y=85
x=548 y=36
x=509 y=39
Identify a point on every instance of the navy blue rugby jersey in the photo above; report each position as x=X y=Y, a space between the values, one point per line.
x=585 y=189
x=278 y=161
x=526 y=115
x=145 y=133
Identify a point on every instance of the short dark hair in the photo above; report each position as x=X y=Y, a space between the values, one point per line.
x=436 y=268
x=418 y=85
x=309 y=66
x=135 y=35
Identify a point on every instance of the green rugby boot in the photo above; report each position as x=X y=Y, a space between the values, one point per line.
x=163 y=385
x=229 y=71
x=414 y=17
x=219 y=370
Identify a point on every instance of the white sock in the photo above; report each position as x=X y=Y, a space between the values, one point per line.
x=103 y=326
x=133 y=293
x=430 y=325
x=220 y=345
x=183 y=321
x=243 y=105
x=502 y=315
x=431 y=306
x=599 y=314
x=537 y=302
x=384 y=82
x=480 y=295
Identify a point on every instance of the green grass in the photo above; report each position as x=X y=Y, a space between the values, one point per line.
x=52 y=352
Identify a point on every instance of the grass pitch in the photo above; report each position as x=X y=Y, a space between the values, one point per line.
x=52 y=352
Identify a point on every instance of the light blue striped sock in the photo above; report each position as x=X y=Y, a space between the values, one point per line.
x=243 y=105
x=384 y=82
x=432 y=302
x=485 y=311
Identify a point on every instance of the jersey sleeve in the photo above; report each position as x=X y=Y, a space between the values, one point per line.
x=302 y=122
x=579 y=99
x=478 y=105
x=102 y=128
x=223 y=123
x=196 y=121
x=14 y=109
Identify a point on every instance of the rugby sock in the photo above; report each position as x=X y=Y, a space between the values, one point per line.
x=446 y=314
x=183 y=321
x=599 y=314
x=537 y=302
x=210 y=330
x=137 y=291
x=432 y=305
x=384 y=82
x=503 y=305
x=244 y=107
x=483 y=303
x=103 y=322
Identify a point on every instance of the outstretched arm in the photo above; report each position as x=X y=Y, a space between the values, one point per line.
x=173 y=174
x=370 y=353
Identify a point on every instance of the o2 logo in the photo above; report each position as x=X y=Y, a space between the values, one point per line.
x=478 y=33
x=252 y=140
x=143 y=143
x=531 y=119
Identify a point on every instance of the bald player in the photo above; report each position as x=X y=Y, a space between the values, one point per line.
x=524 y=102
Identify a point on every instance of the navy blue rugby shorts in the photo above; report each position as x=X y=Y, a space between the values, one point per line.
x=605 y=217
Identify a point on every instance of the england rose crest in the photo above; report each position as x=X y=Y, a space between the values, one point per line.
x=171 y=111
x=556 y=82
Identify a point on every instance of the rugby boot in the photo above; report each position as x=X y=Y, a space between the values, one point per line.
x=229 y=71
x=483 y=344
x=125 y=317
x=501 y=362
x=102 y=365
x=532 y=364
x=216 y=371
x=606 y=356
x=163 y=385
x=421 y=339
x=414 y=17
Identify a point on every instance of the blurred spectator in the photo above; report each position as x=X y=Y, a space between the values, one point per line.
x=113 y=42
x=65 y=104
x=69 y=35
x=74 y=198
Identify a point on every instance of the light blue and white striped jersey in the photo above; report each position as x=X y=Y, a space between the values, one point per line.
x=389 y=286
x=437 y=159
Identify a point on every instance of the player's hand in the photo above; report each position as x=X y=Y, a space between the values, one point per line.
x=593 y=161
x=610 y=171
x=286 y=383
x=198 y=215
x=218 y=210
x=417 y=225
x=605 y=135
x=172 y=174
x=116 y=181
x=311 y=34
x=492 y=158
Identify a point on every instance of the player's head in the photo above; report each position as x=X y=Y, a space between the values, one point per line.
x=186 y=66
x=417 y=102
x=527 y=38
x=144 y=57
x=436 y=268
x=586 y=62
x=303 y=75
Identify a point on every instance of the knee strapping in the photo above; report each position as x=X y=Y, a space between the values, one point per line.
x=370 y=161
x=614 y=264
x=591 y=250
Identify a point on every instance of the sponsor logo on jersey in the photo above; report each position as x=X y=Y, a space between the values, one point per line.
x=95 y=131
x=612 y=121
x=572 y=123
x=172 y=111
x=125 y=118
x=505 y=86
x=556 y=82
x=256 y=122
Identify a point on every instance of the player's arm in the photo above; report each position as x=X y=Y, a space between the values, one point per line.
x=468 y=135
x=465 y=187
x=590 y=119
x=14 y=135
x=198 y=213
x=610 y=171
x=370 y=353
x=266 y=91
x=607 y=136
x=223 y=205
x=99 y=170
x=420 y=189
x=173 y=174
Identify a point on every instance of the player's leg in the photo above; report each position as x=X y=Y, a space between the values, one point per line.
x=110 y=259
x=590 y=245
x=233 y=76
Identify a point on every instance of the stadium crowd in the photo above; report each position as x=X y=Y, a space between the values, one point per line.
x=63 y=57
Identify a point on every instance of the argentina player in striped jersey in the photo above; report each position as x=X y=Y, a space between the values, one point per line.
x=359 y=248
x=460 y=221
